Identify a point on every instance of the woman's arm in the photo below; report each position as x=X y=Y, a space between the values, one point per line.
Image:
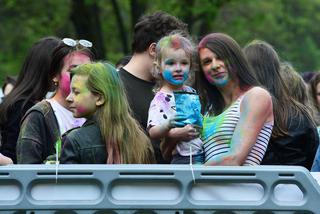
x=255 y=110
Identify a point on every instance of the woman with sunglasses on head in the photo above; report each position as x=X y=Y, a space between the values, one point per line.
x=44 y=124
x=238 y=113
x=32 y=85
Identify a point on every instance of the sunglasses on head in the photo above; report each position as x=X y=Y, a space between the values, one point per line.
x=72 y=43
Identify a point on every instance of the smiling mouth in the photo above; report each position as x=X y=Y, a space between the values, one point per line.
x=218 y=75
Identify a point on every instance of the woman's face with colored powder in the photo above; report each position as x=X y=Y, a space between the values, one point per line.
x=83 y=103
x=175 y=66
x=214 y=69
x=70 y=61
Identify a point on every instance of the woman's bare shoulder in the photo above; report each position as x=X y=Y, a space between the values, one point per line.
x=258 y=92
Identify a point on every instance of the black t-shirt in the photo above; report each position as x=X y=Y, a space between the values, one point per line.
x=139 y=93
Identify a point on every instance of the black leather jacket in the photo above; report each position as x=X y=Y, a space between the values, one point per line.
x=297 y=148
x=38 y=133
x=83 y=145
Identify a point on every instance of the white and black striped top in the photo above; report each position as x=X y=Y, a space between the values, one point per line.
x=218 y=131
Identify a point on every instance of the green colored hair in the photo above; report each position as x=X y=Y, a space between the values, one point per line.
x=119 y=129
x=175 y=41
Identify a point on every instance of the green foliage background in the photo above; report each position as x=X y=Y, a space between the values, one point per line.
x=291 y=26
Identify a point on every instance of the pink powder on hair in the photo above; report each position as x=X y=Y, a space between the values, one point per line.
x=175 y=43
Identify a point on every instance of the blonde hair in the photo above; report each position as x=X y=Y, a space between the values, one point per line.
x=125 y=141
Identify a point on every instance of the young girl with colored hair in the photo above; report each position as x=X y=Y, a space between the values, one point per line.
x=110 y=135
x=173 y=62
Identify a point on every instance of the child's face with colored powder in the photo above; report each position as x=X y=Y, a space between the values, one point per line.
x=175 y=66
x=82 y=101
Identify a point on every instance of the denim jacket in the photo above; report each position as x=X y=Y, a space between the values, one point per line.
x=38 y=133
x=83 y=145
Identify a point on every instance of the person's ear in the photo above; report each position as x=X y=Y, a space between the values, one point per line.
x=152 y=50
x=55 y=80
x=156 y=69
x=156 y=65
x=99 y=100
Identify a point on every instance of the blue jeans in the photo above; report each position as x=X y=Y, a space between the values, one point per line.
x=179 y=159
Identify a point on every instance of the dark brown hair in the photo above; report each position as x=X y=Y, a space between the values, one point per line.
x=228 y=50
x=151 y=28
x=266 y=64
x=34 y=79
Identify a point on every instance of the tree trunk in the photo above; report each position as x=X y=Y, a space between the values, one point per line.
x=121 y=27
x=187 y=15
x=138 y=7
x=86 y=20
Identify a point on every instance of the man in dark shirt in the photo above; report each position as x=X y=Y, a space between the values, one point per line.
x=137 y=74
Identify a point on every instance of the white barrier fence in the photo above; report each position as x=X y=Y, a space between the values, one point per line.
x=153 y=189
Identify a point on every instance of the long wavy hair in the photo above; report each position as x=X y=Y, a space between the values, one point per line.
x=34 y=79
x=125 y=141
x=228 y=50
x=266 y=64
x=297 y=87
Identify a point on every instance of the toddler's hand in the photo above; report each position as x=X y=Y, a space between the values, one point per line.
x=185 y=133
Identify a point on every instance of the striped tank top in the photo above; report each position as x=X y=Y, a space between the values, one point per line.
x=218 y=130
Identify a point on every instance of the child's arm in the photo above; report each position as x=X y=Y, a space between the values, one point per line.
x=186 y=133
x=176 y=135
x=168 y=129
x=160 y=131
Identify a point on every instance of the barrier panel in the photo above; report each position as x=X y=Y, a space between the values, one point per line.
x=157 y=189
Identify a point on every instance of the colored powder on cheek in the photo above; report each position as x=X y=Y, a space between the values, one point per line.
x=65 y=84
x=217 y=82
x=81 y=110
x=185 y=75
x=209 y=78
x=221 y=82
x=167 y=75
